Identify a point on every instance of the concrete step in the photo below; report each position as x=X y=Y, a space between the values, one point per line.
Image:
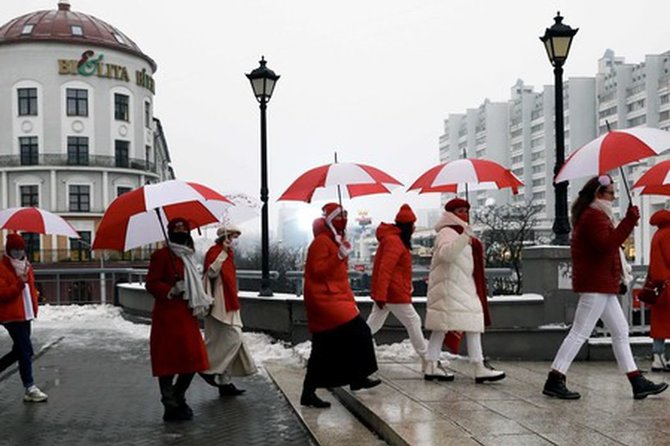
x=335 y=426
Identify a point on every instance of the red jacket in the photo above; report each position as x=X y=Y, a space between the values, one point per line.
x=659 y=269
x=11 y=292
x=175 y=340
x=595 y=244
x=329 y=301
x=392 y=270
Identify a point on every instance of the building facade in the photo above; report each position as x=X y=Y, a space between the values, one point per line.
x=77 y=125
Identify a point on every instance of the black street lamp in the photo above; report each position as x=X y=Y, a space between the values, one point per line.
x=263 y=82
x=557 y=41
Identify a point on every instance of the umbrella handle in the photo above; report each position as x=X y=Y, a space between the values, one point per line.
x=625 y=184
x=167 y=242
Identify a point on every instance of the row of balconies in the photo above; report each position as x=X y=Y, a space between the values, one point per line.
x=55 y=160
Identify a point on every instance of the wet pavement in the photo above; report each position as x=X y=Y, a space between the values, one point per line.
x=101 y=392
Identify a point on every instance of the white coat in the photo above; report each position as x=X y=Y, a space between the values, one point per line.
x=453 y=304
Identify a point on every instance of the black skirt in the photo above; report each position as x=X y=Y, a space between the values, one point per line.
x=341 y=356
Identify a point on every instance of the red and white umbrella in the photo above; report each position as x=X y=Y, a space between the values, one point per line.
x=614 y=149
x=32 y=219
x=140 y=217
x=353 y=180
x=655 y=181
x=476 y=174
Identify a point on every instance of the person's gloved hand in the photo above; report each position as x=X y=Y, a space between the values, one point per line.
x=177 y=289
x=344 y=249
x=633 y=212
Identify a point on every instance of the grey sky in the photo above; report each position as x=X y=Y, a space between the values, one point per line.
x=371 y=79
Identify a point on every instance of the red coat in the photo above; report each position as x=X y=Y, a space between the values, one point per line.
x=329 y=301
x=11 y=292
x=659 y=269
x=392 y=270
x=175 y=341
x=595 y=244
x=228 y=275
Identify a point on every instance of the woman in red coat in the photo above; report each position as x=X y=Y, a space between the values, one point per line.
x=176 y=344
x=599 y=274
x=659 y=269
x=342 y=349
x=18 y=307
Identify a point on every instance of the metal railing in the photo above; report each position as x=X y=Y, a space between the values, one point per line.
x=58 y=159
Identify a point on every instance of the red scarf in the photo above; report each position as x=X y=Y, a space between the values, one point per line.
x=228 y=276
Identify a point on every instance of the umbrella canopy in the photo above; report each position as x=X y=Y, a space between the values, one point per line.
x=476 y=174
x=354 y=180
x=32 y=219
x=656 y=181
x=131 y=220
x=614 y=149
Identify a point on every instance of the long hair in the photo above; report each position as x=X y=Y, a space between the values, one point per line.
x=406 y=230
x=587 y=195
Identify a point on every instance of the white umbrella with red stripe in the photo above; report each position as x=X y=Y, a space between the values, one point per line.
x=32 y=219
x=140 y=217
x=655 y=181
x=351 y=179
x=466 y=173
x=614 y=149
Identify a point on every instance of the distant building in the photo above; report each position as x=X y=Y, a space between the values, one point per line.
x=77 y=127
x=289 y=229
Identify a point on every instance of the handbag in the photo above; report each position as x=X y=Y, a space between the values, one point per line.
x=651 y=291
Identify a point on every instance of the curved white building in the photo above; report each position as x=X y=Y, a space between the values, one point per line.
x=76 y=120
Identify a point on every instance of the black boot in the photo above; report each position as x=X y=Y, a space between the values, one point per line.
x=365 y=383
x=642 y=387
x=555 y=386
x=311 y=400
x=230 y=390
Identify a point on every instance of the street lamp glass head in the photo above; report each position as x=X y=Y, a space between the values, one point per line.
x=263 y=81
x=557 y=41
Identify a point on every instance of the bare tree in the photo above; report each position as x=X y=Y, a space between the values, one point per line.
x=282 y=259
x=506 y=230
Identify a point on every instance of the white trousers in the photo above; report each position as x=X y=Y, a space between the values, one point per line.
x=473 y=342
x=407 y=316
x=591 y=307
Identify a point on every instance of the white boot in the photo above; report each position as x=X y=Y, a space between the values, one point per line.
x=34 y=395
x=434 y=372
x=660 y=364
x=483 y=373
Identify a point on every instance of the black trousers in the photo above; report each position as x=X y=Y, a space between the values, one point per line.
x=173 y=393
x=22 y=351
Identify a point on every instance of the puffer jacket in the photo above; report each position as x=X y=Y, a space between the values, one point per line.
x=13 y=302
x=392 y=270
x=453 y=304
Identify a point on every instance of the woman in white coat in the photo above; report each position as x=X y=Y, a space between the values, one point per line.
x=457 y=293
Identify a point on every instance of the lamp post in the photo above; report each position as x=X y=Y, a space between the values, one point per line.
x=263 y=82
x=557 y=40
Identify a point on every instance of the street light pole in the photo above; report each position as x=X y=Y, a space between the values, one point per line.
x=557 y=41
x=263 y=82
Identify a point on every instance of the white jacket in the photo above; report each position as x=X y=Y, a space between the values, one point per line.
x=453 y=303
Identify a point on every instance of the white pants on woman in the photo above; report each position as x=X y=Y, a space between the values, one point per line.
x=473 y=341
x=407 y=316
x=591 y=307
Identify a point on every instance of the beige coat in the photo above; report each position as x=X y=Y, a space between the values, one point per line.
x=453 y=303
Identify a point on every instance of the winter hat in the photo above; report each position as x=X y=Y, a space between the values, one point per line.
x=456 y=203
x=14 y=241
x=329 y=208
x=227 y=229
x=405 y=215
x=173 y=223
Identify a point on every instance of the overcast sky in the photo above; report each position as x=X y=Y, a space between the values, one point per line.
x=370 y=79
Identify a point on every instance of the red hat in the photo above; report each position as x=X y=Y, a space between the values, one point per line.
x=456 y=203
x=405 y=215
x=328 y=208
x=14 y=241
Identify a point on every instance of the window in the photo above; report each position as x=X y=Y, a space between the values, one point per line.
x=29 y=151
x=119 y=38
x=32 y=246
x=77 y=150
x=147 y=157
x=27 y=101
x=27 y=29
x=80 y=249
x=637 y=121
x=120 y=190
x=121 y=153
x=147 y=115
x=80 y=198
x=121 y=109
x=77 y=30
x=77 y=102
x=30 y=195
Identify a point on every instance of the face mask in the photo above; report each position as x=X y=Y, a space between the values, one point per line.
x=17 y=254
x=180 y=238
x=340 y=224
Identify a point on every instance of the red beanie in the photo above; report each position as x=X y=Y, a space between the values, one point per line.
x=328 y=208
x=14 y=241
x=405 y=215
x=456 y=203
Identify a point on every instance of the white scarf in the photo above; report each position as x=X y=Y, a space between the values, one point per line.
x=605 y=206
x=20 y=266
x=195 y=294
